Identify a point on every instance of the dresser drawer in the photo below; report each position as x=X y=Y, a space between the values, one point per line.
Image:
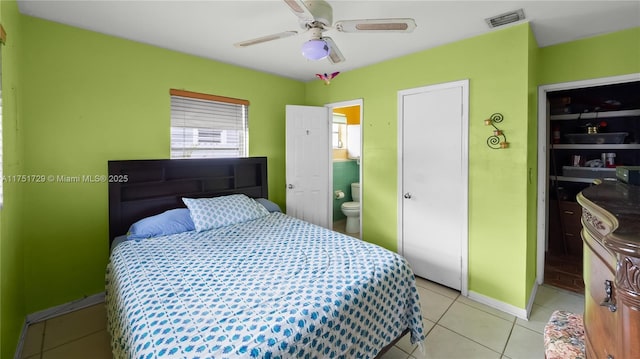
x=570 y=214
x=571 y=211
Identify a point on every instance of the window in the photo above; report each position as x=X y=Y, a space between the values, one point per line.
x=206 y=126
x=339 y=131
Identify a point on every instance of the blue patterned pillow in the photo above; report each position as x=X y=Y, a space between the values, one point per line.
x=211 y=213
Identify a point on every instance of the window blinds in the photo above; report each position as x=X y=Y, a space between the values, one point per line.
x=205 y=126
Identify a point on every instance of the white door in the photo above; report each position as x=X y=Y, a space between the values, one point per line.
x=433 y=171
x=307 y=161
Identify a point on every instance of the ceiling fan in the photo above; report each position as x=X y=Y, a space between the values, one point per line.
x=316 y=17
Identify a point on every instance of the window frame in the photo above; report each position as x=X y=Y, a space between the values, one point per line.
x=242 y=131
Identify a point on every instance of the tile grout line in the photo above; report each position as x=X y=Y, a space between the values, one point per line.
x=513 y=323
x=506 y=344
x=436 y=322
x=470 y=339
x=44 y=332
x=488 y=312
x=448 y=308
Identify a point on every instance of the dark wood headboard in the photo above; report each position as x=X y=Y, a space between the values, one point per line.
x=142 y=188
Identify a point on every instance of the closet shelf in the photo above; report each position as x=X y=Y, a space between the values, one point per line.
x=577 y=179
x=604 y=146
x=595 y=115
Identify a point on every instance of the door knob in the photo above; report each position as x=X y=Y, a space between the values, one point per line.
x=290 y=186
x=407 y=195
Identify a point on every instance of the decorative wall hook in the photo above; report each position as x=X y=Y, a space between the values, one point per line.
x=498 y=140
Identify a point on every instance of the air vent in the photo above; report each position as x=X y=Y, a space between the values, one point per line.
x=505 y=18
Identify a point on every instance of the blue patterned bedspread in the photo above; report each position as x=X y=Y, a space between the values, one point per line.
x=274 y=287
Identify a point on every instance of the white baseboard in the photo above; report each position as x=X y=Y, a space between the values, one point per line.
x=65 y=308
x=23 y=334
x=532 y=298
x=502 y=306
x=54 y=312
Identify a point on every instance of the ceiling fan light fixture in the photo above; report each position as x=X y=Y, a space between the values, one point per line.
x=315 y=49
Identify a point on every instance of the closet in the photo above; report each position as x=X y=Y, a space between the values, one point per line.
x=591 y=131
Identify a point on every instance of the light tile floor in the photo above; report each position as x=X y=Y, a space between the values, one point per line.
x=457 y=327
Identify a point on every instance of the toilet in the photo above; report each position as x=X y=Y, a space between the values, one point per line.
x=352 y=210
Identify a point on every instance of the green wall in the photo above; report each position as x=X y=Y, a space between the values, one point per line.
x=599 y=56
x=12 y=280
x=495 y=65
x=89 y=98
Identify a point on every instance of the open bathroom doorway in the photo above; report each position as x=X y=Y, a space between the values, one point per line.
x=346 y=169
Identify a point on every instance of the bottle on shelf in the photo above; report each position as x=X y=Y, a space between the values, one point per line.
x=610 y=159
x=556 y=134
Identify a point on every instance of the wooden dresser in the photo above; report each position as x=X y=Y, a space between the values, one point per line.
x=611 y=235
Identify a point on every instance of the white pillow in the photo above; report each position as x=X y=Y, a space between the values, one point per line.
x=216 y=212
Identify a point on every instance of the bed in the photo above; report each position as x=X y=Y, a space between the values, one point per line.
x=228 y=275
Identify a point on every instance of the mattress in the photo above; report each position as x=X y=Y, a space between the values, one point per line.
x=273 y=287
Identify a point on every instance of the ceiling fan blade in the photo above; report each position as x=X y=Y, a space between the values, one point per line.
x=376 y=25
x=299 y=8
x=260 y=40
x=335 y=56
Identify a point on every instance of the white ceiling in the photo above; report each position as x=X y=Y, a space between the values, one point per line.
x=209 y=28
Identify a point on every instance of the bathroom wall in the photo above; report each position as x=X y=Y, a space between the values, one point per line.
x=352 y=113
x=345 y=172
